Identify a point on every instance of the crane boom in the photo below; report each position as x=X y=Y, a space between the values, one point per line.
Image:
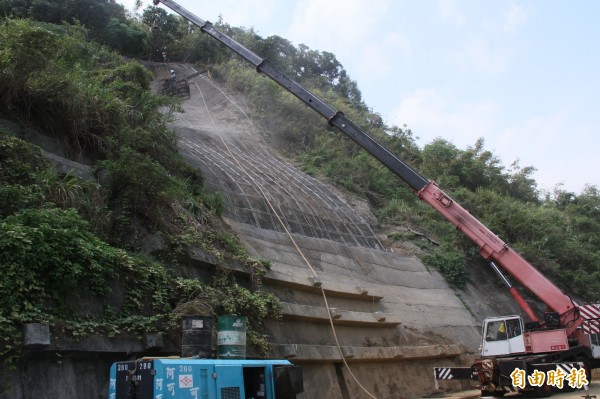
x=335 y=118
x=491 y=247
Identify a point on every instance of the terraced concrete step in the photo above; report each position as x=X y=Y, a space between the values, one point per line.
x=301 y=283
x=311 y=284
x=296 y=311
x=300 y=353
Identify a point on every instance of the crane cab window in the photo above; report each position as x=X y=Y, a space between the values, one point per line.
x=499 y=330
x=496 y=331
x=595 y=339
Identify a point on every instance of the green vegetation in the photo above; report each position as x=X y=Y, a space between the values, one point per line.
x=106 y=21
x=226 y=296
x=63 y=76
x=451 y=263
x=63 y=240
x=51 y=259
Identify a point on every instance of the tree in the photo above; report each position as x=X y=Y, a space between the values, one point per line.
x=195 y=46
x=321 y=67
x=281 y=52
x=521 y=183
x=15 y=8
x=93 y=14
x=402 y=143
x=164 y=31
x=440 y=162
x=129 y=38
x=348 y=88
x=40 y=10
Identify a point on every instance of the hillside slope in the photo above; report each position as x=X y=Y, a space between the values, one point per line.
x=393 y=316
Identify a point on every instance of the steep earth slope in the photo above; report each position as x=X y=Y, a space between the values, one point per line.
x=394 y=318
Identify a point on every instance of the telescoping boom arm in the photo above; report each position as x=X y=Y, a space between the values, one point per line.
x=490 y=246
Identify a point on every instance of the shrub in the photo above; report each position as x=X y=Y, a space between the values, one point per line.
x=451 y=264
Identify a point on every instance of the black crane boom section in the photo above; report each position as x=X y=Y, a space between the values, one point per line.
x=334 y=118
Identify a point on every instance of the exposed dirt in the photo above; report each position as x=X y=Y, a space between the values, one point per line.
x=218 y=135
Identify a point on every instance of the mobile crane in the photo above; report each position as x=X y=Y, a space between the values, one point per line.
x=567 y=334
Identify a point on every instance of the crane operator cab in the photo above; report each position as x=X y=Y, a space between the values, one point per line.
x=502 y=336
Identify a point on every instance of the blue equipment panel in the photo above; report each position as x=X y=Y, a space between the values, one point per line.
x=177 y=378
x=228 y=381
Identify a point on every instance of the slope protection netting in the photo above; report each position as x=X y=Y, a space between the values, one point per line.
x=307 y=206
x=219 y=137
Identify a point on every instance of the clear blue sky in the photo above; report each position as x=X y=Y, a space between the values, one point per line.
x=524 y=75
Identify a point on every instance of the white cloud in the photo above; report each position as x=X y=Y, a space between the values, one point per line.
x=539 y=132
x=557 y=148
x=450 y=12
x=479 y=54
x=538 y=141
x=334 y=26
x=489 y=45
x=397 y=42
x=515 y=17
x=379 y=58
x=375 y=63
x=247 y=13
x=431 y=113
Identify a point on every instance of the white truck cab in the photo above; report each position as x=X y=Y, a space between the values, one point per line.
x=502 y=335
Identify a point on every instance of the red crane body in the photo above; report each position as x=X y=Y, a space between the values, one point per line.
x=569 y=333
x=491 y=247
